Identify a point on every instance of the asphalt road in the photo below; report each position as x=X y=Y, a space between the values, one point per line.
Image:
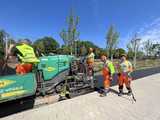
x=17 y=106
x=135 y=75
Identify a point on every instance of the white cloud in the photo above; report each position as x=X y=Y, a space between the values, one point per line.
x=146 y=31
x=151 y=31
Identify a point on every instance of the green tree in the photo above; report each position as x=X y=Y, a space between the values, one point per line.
x=101 y=52
x=65 y=50
x=83 y=47
x=3 y=43
x=119 y=52
x=147 y=46
x=156 y=49
x=130 y=54
x=70 y=35
x=111 y=40
x=46 y=45
x=140 y=54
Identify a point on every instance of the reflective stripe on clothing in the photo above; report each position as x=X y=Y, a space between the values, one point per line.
x=108 y=64
x=108 y=71
x=28 y=55
x=90 y=58
x=91 y=55
x=125 y=66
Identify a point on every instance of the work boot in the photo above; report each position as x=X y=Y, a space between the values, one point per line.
x=61 y=98
x=120 y=93
x=105 y=92
x=129 y=93
x=92 y=82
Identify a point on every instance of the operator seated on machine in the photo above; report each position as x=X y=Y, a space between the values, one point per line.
x=26 y=56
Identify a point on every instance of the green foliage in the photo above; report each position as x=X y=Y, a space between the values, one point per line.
x=140 y=54
x=100 y=51
x=46 y=45
x=1 y=52
x=156 y=49
x=87 y=44
x=65 y=50
x=118 y=52
x=111 y=40
x=12 y=41
x=130 y=54
x=147 y=46
x=83 y=47
x=2 y=43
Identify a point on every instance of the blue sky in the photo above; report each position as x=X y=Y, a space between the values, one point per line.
x=37 y=18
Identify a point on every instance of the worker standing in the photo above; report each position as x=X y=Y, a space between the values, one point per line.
x=124 y=76
x=26 y=56
x=90 y=66
x=90 y=57
x=107 y=71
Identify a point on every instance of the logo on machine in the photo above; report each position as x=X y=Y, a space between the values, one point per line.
x=50 y=69
x=13 y=93
x=5 y=83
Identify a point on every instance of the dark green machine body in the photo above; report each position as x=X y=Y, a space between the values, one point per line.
x=17 y=86
x=43 y=79
x=51 y=66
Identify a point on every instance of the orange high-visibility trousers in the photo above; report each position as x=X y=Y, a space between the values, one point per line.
x=90 y=67
x=23 y=68
x=123 y=78
x=106 y=77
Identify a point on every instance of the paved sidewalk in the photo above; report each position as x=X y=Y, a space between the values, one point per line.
x=112 y=107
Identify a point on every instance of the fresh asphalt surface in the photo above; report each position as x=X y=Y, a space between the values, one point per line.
x=17 y=106
x=135 y=75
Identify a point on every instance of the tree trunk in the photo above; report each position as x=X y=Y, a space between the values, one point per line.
x=6 y=47
x=111 y=55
